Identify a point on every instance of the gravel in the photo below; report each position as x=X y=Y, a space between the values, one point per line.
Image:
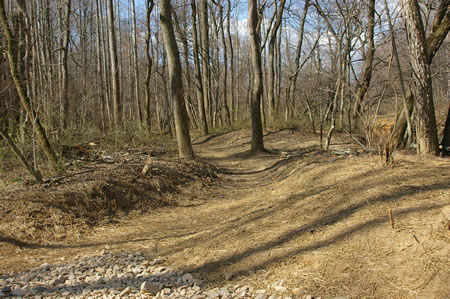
x=124 y=275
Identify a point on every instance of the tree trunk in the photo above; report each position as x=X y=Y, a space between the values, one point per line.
x=366 y=75
x=115 y=80
x=136 y=66
x=175 y=82
x=439 y=30
x=445 y=142
x=293 y=77
x=64 y=72
x=148 y=10
x=230 y=46
x=204 y=50
x=24 y=99
x=197 y=72
x=257 y=143
x=427 y=142
x=273 y=35
x=225 y=63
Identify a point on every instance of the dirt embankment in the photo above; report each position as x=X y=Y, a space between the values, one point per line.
x=66 y=207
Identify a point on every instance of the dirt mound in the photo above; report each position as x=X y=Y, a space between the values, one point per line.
x=67 y=206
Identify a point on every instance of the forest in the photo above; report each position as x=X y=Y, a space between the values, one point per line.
x=150 y=113
x=74 y=68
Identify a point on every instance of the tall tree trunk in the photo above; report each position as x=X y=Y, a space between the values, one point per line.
x=439 y=30
x=204 y=50
x=197 y=72
x=136 y=66
x=298 y=52
x=273 y=36
x=149 y=4
x=100 y=76
x=225 y=70
x=182 y=35
x=427 y=142
x=257 y=143
x=408 y=99
x=175 y=82
x=64 y=72
x=366 y=75
x=115 y=80
x=21 y=90
x=230 y=47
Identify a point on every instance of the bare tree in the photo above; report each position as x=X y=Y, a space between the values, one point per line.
x=439 y=30
x=366 y=74
x=273 y=35
x=115 y=79
x=204 y=50
x=427 y=141
x=64 y=71
x=175 y=81
x=254 y=23
x=136 y=65
x=149 y=4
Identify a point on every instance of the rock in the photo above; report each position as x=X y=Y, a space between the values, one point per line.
x=213 y=294
x=279 y=288
x=297 y=291
x=19 y=292
x=262 y=291
x=229 y=275
x=261 y=296
x=187 y=278
x=45 y=267
x=308 y=297
x=224 y=293
x=149 y=288
x=125 y=292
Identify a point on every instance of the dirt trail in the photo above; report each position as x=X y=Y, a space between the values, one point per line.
x=315 y=220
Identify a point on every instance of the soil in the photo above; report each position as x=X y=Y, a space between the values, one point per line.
x=314 y=220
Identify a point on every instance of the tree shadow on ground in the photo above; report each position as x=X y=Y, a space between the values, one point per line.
x=216 y=266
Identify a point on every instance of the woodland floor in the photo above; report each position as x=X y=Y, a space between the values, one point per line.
x=317 y=220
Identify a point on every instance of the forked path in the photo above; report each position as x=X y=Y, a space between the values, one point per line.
x=294 y=216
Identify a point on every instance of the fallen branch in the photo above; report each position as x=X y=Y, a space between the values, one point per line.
x=50 y=182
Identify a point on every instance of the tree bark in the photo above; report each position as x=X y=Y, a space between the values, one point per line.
x=149 y=4
x=445 y=142
x=175 y=82
x=257 y=143
x=197 y=72
x=439 y=30
x=204 y=50
x=294 y=74
x=273 y=35
x=427 y=142
x=115 y=80
x=136 y=66
x=225 y=72
x=366 y=75
x=64 y=71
